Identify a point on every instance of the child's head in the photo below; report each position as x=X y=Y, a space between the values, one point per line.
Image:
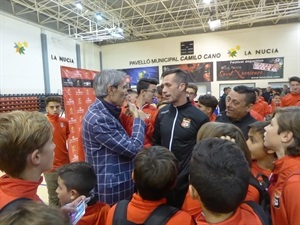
x=219 y=175
x=31 y=213
x=276 y=98
x=217 y=129
x=207 y=104
x=25 y=141
x=284 y=132
x=75 y=179
x=255 y=140
x=155 y=172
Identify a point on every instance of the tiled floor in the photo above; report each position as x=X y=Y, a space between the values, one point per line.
x=42 y=190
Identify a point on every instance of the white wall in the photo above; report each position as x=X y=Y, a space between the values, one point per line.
x=90 y=56
x=20 y=73
x=284 y=38
x=61 y=52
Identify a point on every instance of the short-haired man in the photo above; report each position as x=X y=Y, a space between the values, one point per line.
x=207 y=104
x=294 y=96
x=146 y=89
x=107 y=146
x=60 y=136
x=176 y=128
x=219 y=179
x=268 y=94
x=191 y=92
x=239 y=103
x=222 y=101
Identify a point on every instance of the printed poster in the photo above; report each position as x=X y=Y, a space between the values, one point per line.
x=136 y=74
x=250 y=69
x=198 y=72
x=78 y=94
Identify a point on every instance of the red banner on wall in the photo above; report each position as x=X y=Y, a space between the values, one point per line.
x=78 y=94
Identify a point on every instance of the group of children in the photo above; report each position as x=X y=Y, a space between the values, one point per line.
x=219 y=173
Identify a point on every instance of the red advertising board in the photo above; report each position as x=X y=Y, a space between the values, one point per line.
x=78 y=94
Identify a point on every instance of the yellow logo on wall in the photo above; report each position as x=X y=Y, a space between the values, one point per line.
x=233 y=51
x=20 y=47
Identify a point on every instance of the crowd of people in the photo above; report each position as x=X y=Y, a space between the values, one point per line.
x=178 y=161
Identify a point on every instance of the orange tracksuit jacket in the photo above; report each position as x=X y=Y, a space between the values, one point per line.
x=290 y=100
x=151 y=112
x=261 y=107
x=60 y=136
x=13 y=188
x=284 y=191
x=138 y=211
x=244 y=215
x=95 y=214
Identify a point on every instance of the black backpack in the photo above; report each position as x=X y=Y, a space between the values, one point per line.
x=160 y=216
x=13 y=205
x=264 y=199
x=265 y=220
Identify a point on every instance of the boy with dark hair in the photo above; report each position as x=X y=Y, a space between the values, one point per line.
x=191 y=92
x=155 y=174
x=260 y=106
x=283 y=137
x=276 y=101
x=219 y=178
x=262 y=157
x=293 y=97
x=146 y=89
x=207 y=104
x=76 y=179
x=159 y=94
x=60 y=136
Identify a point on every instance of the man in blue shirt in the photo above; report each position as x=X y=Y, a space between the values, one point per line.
x=107 y=146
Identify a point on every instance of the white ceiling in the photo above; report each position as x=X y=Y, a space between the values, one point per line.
x=150 y=19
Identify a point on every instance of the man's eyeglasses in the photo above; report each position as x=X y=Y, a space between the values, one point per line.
x=152 y=91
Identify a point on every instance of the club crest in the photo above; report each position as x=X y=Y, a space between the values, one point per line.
x=186 y=123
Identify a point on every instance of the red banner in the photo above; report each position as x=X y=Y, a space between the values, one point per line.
x=78 y=94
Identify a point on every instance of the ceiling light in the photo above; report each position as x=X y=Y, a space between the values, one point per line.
x=214 y=24
x=206 y=1
x=78 y=5
x=98 y=16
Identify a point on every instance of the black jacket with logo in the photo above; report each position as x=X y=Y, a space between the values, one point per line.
x=176 y=128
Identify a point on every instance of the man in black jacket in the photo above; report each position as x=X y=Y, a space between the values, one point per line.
x=176 y=128
x=239 y=102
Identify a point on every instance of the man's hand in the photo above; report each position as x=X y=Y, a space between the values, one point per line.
x=71 y=207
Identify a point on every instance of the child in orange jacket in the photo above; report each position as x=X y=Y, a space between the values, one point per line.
x=26 y=151
x=219 y=178
x=146 y=89
x=283 y=137
x=262 y=157
x=155 y=174
x=77 y=179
